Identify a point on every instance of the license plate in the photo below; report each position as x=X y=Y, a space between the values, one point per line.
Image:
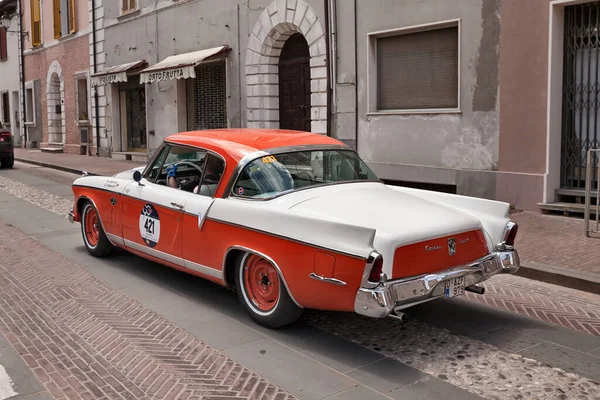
x=455 y=287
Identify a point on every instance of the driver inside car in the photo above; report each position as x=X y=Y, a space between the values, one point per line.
x=212 y=174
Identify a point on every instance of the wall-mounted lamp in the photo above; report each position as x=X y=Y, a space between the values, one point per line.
x=5 y=21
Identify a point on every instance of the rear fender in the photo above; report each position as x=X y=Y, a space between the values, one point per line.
x=494 y=215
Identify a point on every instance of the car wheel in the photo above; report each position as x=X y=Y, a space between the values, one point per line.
x=263 y=293
x=8 y=162
x=94 y=237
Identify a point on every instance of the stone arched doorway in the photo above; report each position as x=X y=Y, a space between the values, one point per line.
x=55 y=101
x=294 y=84
x=279 y=22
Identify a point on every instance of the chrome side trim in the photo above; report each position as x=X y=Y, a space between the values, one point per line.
x=203 y=269
x=395 y=295
x=167 y=257
x=333 y=281
x=115 y=240
x=155 y=253
x=269 y=259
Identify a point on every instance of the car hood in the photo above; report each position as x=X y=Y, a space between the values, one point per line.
x=398 y=218
x=129 y=173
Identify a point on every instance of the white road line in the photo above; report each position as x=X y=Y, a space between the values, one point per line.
x=6 y=385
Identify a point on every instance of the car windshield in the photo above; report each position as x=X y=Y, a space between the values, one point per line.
x=273 y=175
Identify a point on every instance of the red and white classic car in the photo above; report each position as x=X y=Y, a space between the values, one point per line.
x=294 y=220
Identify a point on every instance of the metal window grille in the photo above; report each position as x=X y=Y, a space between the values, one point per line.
x=581 y=93
x=207 y=97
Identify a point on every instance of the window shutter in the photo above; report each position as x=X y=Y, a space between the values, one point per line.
x=132 y=5
x=418 y=70
x=36 y=26
x=3 y=44
x=56 y=12
x=125 y=5
x=72 y=17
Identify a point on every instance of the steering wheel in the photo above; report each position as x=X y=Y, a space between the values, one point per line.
x=186 y=163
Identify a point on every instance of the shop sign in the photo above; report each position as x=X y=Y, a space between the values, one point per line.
x=165 y=75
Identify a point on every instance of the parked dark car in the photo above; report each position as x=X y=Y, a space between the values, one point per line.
x=7 y=149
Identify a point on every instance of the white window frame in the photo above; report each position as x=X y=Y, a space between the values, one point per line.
x=30 y=86
x=78 y=76
x=372 y=67
x=129 y=11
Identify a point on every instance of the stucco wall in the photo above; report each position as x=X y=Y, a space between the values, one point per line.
x=523 y=101
x=152 y=34
x=73 y=57
x=437 y=148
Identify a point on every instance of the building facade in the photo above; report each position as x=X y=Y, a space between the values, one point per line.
x=550 y=99
x=412 y=86
x=10 y=70
x=56 y=58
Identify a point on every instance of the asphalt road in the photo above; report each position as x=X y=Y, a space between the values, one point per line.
x=457 y=349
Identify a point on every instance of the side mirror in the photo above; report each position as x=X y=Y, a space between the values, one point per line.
x=137 y=176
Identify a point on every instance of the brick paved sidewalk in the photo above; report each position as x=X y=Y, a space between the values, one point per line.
x=556 y=241
x=85 y=340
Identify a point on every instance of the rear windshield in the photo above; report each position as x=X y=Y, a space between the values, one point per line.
x=273 y=175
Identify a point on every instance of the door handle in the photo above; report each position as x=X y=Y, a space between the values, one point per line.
x=177 y=205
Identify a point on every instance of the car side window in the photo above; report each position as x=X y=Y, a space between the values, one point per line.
x=213 y=171
x=182 y=168
x=154 y=171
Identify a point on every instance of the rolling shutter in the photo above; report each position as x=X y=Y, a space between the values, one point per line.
x=418 y=70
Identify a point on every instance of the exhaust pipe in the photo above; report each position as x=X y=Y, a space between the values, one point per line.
x=475 y=289
x=399 y=315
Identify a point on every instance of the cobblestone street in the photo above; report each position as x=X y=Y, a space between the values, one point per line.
x=127 y=328
x=85 y=340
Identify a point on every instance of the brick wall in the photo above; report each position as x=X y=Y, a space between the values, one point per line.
x=72 y=56
x=208 y=92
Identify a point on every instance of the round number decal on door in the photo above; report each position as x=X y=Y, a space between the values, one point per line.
x=150 y=225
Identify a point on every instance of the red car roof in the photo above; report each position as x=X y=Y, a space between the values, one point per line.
x=237 y=142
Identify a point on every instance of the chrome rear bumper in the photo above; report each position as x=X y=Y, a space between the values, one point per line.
x=382 y=300
x=71 y=216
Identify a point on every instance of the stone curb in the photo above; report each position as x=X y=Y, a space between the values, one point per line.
x=573 y=279
x=579 y=280
x=53 y=166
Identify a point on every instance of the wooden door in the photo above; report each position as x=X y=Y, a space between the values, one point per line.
x=294 y=84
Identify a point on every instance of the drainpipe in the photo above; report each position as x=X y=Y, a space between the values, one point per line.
x=355 y=76
x=96 y=106
x=22 y=56
x=328 y=61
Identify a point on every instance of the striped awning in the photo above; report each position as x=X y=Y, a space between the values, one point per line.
x=115 y=74
x=180 y=66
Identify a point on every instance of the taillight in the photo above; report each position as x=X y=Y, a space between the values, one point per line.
x=5 y=137
x=375 y=275
x=511 y=235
